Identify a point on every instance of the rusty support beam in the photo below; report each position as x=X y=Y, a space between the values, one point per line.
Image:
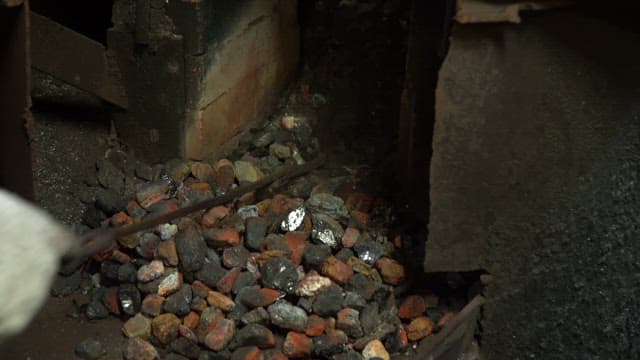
x=75 y=59
x=15 y=101
x=455 y=338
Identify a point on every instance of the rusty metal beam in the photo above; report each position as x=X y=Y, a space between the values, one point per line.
x=454 y=339
x=75 y=59
x=15 y=101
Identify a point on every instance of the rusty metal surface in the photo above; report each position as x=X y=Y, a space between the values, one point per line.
x=15 y=101
x=455 y=338
x=75 y=59
x=483 y=11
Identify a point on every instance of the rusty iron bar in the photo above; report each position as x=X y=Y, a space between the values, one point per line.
x=75 y=59
x=454 y=339
x=15 y=100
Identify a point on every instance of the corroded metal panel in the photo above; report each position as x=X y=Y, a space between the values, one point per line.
x=15 y=101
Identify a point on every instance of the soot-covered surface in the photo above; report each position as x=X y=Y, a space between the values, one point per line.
x=535 y=179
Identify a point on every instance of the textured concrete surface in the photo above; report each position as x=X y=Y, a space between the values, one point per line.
x=241 y=73
x=201 y=71
x=535 y=178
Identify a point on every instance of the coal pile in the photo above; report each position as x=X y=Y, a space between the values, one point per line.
x=306 y=269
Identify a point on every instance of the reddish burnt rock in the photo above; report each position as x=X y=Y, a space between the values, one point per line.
x=165 y=327
x=111 y=301
x=212 y=217
x=120 y=257
x=192 y=320
x=152 y=305
x=359 y=201
x=296 y=241
x=247 y=353
x=297 y=345
x=151 y=271
x=167 y=252
x=139 y=349
x=391 y=270
x=220 y=301
x=121 y=219
x=397 y=341
x=218 y=238
x=152 y=193
x=350 y=237
x=226 y=282
x=412 y=307
x=134 y=210
x=279 y=204
x=337 y=270
x=225 y=173
x=315 y=325
x=203 y=171
x=220 y=335
x=360 y=219
x=200 y=289
x=419 y=328
x=199 y=305
x=348 y=320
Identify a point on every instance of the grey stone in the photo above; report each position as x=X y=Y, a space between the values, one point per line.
x=328 y=301
x=255 y=230
x=287 y=316
x=179 y=303
x=191 y=249
x=110 y=176
x=331 y=205
x=314 y=255
x=148 y=245
x=109 y=270
x=369 y=251
x=235 y=257
x=252 y=335
x=127 y=273
x=325 y=347
x=89 y=349
x=130 y=299
x=110 y=201
x=257 y=315
x=281 y=274
x=354 y=300
x=244 y=279
x=185 y=347
x=210 y=273
x=326 y=230
x=280 y=151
